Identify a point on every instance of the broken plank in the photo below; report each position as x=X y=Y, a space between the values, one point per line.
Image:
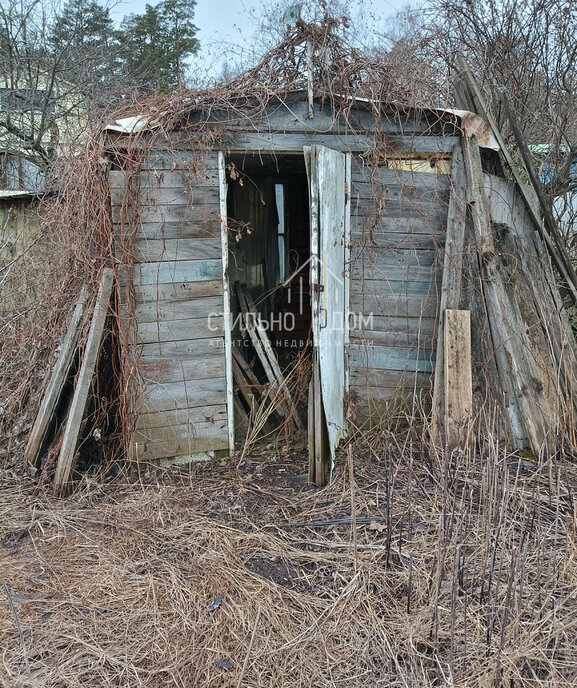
x=57 y=380
x=83 y=382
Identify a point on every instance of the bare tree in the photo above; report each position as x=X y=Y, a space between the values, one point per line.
x=530 y=48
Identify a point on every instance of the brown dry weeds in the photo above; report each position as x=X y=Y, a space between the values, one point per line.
x=467 y=579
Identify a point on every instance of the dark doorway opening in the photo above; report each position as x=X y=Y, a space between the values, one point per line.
x=269 y=252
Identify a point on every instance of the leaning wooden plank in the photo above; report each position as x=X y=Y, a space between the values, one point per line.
x=562 y=262
x=83 y=382
x=282 y=407
x=458 y=380
x=451 y=281
x=57 y=380
x=538 y=186
x=266 y=345
x=246 y=369
x=256 y=397
x=249 y=318
x=528 y=408
x=244 y=389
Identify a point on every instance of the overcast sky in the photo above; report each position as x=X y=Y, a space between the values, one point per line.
x=227 y=26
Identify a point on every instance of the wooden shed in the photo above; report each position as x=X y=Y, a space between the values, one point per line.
x=326 y=237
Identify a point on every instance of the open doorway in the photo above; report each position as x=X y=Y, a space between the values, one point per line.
x=268 y=268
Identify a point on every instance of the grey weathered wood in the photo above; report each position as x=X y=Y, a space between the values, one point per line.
x=384 y=178
x=167 y=310
x=186 y=394
x=183 y=178
x=457 y=378
x=294 y=116
x=146 y=448
x=396 y=306
x=403 y=332
x=227 y=313
x=372 y=379
x=199 y=223
x=179 y=369
x=565 y=268
x=396 y=287
x=395 y=257
x=161 y=215
x=176 y=271
x=171 y=160
x=319 y=450
x=550 y=222
x=391 y=358
x=58 y=377
x=522 y=381
x=207 y=415
x=293 y=142
x=450 y=296
x=366 y=224
x=266 y=353
x=187 y=348
x=395 y=271
x=83 y=382
x=433 y=212
x=154 y=250
x=385 y=240
x=547 y=326
x=176 y=330
x=178 y=291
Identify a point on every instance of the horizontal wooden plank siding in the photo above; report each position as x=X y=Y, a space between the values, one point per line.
x=398 y=226
x=168 y=235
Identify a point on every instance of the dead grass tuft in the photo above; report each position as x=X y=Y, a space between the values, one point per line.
x=464 y=577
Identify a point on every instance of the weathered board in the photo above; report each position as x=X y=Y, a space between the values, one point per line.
x=398 y=229
x=168 y=235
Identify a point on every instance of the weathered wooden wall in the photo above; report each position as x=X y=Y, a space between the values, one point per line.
x=167 y=219
x=397 y=227
x=397 y=237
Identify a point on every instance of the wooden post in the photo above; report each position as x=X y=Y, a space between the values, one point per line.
x=458 y=378
x=83 y=382
x=451 y=281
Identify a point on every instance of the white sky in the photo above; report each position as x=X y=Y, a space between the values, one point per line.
x=226 y=27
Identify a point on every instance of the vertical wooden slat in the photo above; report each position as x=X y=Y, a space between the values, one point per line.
x=83 y=382
x=457 y=377
x=226 y=301
x=451 y=281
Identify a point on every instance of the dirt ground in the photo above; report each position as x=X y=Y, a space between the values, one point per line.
x=405 y=571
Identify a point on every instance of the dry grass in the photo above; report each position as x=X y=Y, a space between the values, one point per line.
x=467 y=579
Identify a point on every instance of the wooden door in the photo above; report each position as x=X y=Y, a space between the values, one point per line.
x=329 y=175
